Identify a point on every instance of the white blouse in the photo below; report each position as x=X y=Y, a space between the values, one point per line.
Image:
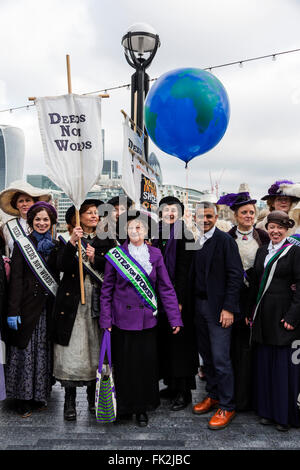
x=141 y=255
x=272 y=250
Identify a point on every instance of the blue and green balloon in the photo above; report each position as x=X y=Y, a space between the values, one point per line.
x=187 y=112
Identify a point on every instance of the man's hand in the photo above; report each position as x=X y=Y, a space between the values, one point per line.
x=226 y=318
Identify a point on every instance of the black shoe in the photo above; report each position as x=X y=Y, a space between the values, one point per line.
x=24 y=408
x=182 y=400
x=142 y=419
x=282 y=427
x=70 y=404
x=167 y=393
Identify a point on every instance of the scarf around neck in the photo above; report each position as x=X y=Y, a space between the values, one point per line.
x=45 y=243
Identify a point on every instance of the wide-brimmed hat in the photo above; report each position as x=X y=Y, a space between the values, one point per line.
x=22 y=187
x=236 y=200
x=71 y=211
x=169 y=201
x=283 y=188
x=280 y=218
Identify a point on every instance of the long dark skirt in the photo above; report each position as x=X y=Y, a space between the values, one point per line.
x=178 y=354
x=135 y=362
x=29 y=370
x=241 y=356
x=276 y=384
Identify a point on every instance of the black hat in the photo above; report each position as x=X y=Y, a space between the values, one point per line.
x=280 y=218
x=236 y=200
x=71 y=211
x=122 y=200
x=169 y=201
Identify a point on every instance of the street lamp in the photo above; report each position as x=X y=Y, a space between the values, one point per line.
x=140 y=45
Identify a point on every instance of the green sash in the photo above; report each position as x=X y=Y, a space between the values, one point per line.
x=133 y=272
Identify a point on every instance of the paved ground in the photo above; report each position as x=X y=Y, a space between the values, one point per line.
x=166 y=430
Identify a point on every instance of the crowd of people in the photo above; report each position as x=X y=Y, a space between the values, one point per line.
x=172 y=299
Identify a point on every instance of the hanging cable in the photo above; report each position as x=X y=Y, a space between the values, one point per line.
x=210 y=68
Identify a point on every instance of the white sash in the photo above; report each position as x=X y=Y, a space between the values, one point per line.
x=15 y=229
x=37 y=264
x=65 y=237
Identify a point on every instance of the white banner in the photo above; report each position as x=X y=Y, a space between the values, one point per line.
x=70 y=127
x=138 y=180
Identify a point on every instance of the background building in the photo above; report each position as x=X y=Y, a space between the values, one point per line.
x=12 y=152
x=110 y=169
x=154 y=163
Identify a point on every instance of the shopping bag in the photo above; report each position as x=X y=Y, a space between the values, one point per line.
x=105 y=399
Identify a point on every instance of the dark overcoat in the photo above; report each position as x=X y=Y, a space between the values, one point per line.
x=3 y=301
x=280 y=300
x=27 y=297
x=241 y=351
x=178 y=354
x=68 y=294
x=223 y=275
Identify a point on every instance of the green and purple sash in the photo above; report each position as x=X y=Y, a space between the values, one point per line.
x=269 y=273
x=134 y=273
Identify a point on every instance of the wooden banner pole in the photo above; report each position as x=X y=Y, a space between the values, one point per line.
x=76 y=211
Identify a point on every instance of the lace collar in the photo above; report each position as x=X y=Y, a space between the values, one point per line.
x=141 y=255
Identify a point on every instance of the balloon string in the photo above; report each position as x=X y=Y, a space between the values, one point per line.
x=186 y=186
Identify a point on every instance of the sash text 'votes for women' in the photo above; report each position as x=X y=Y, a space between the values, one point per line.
x=132 y=272
x=67 y=129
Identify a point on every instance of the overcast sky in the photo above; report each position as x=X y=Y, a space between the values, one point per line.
x=262 y=142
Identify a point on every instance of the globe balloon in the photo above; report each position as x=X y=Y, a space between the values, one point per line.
x=187 y=112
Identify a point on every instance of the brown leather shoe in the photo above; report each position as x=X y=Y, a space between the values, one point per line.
x=205 y=405
x=221 y=419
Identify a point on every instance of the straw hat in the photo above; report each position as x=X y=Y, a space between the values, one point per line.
x=23 y=187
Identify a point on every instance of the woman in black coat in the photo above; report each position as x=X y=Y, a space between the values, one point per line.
x=275 y=315
x=178 y=355
x=76 y=331
x=29 y=355
x=248 y=239
x=3 y=325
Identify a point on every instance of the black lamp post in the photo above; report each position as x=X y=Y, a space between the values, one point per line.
x=140 y=44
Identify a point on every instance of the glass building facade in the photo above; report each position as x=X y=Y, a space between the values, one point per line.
x=12 y=152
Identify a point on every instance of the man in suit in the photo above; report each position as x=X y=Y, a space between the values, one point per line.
x=217 y=277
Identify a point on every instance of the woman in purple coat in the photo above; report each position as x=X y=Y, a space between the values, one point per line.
x=134 y=274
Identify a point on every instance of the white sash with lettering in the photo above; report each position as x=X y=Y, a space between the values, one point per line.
x=65 y=237
x=15 y=229
x=37 y=264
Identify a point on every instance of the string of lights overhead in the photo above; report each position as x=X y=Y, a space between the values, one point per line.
x=210 y=68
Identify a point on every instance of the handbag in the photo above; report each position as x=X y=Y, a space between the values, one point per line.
x=105 y=398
